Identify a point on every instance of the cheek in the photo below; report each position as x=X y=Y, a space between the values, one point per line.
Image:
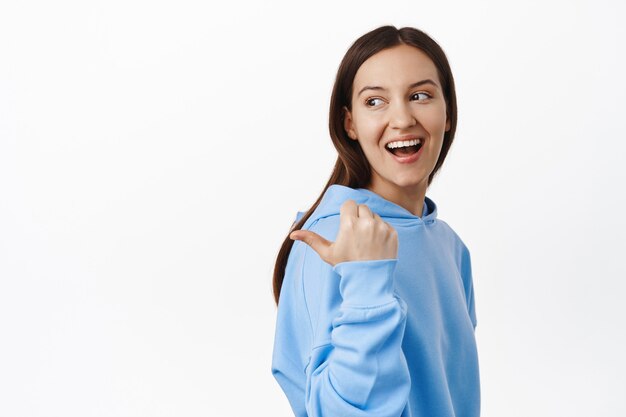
x=435 y=118
x=371 y=128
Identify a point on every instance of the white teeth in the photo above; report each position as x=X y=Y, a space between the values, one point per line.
x=400 y=143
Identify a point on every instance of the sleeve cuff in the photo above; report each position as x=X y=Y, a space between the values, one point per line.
x=366 y=283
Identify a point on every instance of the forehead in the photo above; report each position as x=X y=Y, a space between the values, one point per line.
x=396 y=66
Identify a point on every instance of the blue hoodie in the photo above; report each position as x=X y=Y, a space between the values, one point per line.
x=387 y=337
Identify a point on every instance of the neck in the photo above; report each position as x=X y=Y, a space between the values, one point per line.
x=411 y=197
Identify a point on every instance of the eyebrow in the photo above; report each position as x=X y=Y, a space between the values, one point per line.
x=417 y=84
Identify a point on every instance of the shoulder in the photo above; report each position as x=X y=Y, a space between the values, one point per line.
x=302 y=258
x=327 y=227
x=461 y=253
x=319 y=281
x=453 y=240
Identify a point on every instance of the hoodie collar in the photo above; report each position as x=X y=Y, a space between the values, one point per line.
x=336 y=195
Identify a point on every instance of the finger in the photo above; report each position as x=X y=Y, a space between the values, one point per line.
x=348 y=213
x=383 y=223
x=380 y=219
x=364 y=211
x=348 y=208
x=315 y=241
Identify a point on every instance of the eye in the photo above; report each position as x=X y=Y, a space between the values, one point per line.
x=370 y=101
x=425 y=94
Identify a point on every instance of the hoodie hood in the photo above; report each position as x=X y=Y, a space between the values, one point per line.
x=337 y=194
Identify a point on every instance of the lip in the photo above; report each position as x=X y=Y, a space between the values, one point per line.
x=406 y=159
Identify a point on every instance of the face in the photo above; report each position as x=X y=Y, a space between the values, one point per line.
x=397 y=96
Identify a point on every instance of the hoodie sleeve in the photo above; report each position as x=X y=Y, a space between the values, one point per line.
x=361 y=370
x=356 y=366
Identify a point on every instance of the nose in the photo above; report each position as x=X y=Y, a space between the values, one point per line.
x=401 y=116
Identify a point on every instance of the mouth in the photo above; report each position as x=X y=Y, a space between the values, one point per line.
x=406 y=148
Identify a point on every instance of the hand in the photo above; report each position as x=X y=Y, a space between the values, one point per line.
x=363 y=235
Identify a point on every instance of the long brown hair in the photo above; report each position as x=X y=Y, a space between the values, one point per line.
x=352 y=168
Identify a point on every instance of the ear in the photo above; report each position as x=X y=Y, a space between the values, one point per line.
x=447 y=124
x=348 y=123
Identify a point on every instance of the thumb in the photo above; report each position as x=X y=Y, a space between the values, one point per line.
x=315 y=241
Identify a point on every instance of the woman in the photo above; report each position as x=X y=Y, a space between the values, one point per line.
x=375 y=299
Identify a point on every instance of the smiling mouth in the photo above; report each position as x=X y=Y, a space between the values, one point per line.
x=404 y=151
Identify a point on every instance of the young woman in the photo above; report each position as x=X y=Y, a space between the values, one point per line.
x=375 y=298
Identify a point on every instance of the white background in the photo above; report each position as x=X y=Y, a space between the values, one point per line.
x=153 y=155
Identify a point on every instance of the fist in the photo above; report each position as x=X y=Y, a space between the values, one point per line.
x=362 y=236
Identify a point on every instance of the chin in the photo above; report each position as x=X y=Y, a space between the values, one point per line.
x=409 y=180
x=409 y=183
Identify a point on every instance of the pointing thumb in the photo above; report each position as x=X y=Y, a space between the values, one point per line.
x=315 y=241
